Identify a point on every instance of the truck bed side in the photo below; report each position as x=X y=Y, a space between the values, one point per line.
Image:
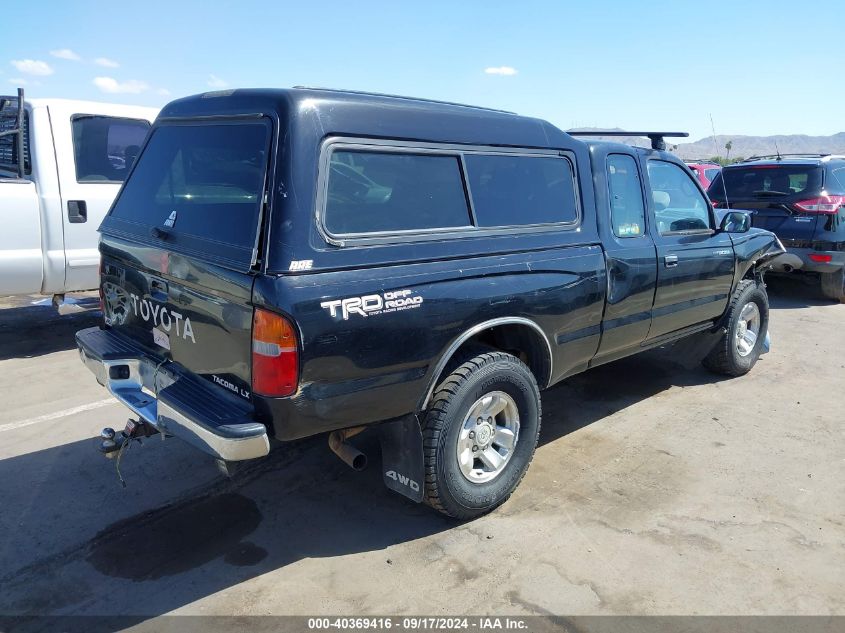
x=382 y=365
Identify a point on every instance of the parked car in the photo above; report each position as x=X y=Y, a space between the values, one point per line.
x=801 y=199
x=61 y=165
x=284 y=263
x=704 y=170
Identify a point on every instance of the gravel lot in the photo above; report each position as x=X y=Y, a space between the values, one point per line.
x=657 y=489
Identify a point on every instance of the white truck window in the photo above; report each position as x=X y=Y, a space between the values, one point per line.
x=104 y=148
x=9 y=143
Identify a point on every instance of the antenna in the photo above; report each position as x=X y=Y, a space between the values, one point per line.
x=778 y=151
x=722 y=173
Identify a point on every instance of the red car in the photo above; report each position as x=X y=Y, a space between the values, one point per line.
x=705 y=171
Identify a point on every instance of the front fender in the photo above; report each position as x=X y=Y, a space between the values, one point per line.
x=755 y=250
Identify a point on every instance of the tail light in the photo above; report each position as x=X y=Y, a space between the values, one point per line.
x=715 y=203
x=275 y=358
x=820 y=258
x=823 y=204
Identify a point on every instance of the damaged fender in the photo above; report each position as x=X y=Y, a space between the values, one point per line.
x=756 y=250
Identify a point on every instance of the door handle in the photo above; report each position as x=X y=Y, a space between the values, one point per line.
x=670 y=261
x=77 y=211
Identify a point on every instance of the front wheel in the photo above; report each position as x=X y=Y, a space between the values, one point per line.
x=479 y=434
x=747 y=324
x=833 y=284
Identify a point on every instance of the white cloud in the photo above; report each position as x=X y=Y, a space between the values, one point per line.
x=105 y=62
x=65 y=53
x=164 y=92
x=32 y=67
x=500 y=70
x=18 y=81
x=215 y=82
x=113 y=86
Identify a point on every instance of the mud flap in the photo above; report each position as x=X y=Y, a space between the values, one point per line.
x=402 y=457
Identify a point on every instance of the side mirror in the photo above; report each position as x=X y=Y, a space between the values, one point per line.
x=735 y=222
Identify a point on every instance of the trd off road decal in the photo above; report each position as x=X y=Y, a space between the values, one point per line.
x=371 y=305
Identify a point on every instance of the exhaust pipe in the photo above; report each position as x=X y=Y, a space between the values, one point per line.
x=787 y=268
x=354 y=458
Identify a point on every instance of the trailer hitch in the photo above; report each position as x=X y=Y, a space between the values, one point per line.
x=112 y=441
x=114 y=444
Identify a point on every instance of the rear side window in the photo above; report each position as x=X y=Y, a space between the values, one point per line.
x=521 y=190
x=199 y=184
x=839 y=178
x=767 y=181
x=374 y=192
x=710 y=174
x=104 y=148
x=626 y=196
x=9 y=143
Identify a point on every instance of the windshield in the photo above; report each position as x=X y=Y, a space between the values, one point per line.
x=766 y=181
x=199 y=183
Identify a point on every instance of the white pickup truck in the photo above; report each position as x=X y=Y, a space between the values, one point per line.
x=61 y=165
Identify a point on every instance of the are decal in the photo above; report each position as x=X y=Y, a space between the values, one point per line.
x=371 y=305
x=162 y=317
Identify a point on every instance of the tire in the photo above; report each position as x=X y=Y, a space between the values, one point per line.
x=479 y=386
x=833 y=284
x=729 y=356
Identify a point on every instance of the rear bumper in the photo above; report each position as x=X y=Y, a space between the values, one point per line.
x=837 y=260
x=172 y=400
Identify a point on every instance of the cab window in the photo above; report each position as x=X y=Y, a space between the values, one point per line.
x=678 y=203
x=380 y=191
x=627 y=211
x=521 y=190
x=104 y=148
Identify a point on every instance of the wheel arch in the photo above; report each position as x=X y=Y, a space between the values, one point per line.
x=507 y=334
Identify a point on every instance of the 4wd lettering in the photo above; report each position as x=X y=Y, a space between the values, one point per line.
x=162 y=317
x=402 y=479
x=371 y=305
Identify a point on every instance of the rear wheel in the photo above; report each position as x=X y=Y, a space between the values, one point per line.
x=833 y=284
x=748 y=322
x=479 y=434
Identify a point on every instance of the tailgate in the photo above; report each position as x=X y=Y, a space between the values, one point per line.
x=180 y=242
x=206 y=327
x=779 y=219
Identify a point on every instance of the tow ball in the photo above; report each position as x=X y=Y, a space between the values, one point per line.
x=112 y=441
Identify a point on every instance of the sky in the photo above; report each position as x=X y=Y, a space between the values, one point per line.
x=755 y=67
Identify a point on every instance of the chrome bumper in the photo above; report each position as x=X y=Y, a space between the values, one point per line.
x=174 y=403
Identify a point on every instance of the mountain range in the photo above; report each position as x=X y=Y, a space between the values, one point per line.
x=744 y=146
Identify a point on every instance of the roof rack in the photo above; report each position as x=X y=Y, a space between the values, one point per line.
x=796 y=155
x=392 y=96
x=656 y=138
x=703 y=161
x=18 y=129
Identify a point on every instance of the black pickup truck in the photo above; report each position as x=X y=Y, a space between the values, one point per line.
x=283 y=263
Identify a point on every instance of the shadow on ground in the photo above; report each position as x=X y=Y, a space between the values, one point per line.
x=29 y=331
x=600 y=392
x=795 y=291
